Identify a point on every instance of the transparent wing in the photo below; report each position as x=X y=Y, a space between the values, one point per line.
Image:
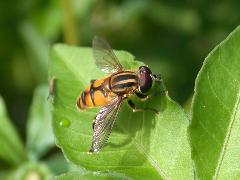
x=103 y=124
x=105 y=59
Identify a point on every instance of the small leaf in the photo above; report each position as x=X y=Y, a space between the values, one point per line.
x=11 y=150
x=30 y=171
x=39 y=131
x=142 y=145
x=215 y=126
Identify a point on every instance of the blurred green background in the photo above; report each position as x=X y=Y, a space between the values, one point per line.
x=173 y=37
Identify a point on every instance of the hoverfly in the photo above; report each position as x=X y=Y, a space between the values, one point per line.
x=109 y=92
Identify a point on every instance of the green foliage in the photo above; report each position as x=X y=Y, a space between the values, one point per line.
x=30 y=170
x=90 y=176
x=215 y=125
x=172 y=37
x=11 y=150
x=36 y=49
x=25 y=161
x=39 y=132
x=142 y=145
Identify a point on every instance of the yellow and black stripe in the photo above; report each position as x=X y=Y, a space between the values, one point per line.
x=123 y=82
x=94 y=95
x=102 y=92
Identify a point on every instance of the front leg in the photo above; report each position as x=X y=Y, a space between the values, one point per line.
x=135 y=109
x=160 y=85
x=157 y=77
x=142 y=97
x=92 y=81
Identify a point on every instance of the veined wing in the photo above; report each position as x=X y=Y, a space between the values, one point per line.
x=103 y=124
x=105 y=59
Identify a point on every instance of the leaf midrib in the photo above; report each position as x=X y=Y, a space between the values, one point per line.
x=232 y=121
x=226 y=141
x=137 y=144
x=151 y=161
x=141 y=149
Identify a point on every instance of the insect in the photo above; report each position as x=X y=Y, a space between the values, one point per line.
x=110 y=91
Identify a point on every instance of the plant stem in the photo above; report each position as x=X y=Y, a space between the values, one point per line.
x=70 y=35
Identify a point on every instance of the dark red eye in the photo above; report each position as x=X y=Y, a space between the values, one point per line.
x=145 y=79
x=144 y=69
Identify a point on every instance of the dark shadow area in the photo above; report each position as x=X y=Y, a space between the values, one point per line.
x=138 y=127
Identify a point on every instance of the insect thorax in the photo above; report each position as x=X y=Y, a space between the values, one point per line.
x=124 y=82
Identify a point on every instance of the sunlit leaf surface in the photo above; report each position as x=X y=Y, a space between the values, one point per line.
x=142 y=145
x=215 y=127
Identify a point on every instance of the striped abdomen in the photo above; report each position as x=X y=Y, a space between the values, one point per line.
x=124 y=82
x=95 y=95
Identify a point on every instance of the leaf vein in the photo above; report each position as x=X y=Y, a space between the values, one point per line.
x=140 y=147
x=226 y=141
x=215 y=94
x=209 y=133
x=152 y=161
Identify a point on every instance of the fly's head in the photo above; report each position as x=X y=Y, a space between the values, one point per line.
x=145 y=79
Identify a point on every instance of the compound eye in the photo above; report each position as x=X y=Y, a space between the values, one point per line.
x=145 y=82
x=144 y=69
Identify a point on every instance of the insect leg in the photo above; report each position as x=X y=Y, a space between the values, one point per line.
x=142 y=96
x=157 y=77
x=92 y=81
x=159 y=82
x=93 y=123
x=146 y=97
x=135 y=109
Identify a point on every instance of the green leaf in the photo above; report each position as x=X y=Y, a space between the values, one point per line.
x=215 y=125
x=11 y=150
x=39 y=131
x=89 y=176
x=58 y=164
x=141 y=145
